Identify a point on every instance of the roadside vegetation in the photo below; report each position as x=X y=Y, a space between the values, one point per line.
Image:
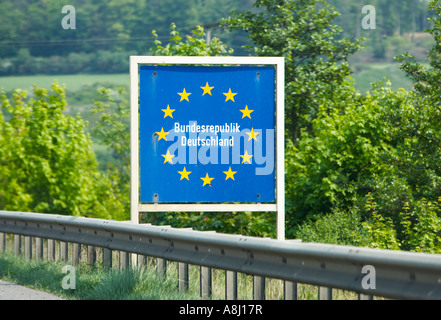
x=92 y=282
x=97 y=283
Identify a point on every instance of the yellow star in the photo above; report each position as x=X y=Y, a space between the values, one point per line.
x=246 y=157
x=184 y=95
x=207 y=89
x=162 y=134
x=229 y=95
x=168 y=157
x=230 y=174
x=207 y=180
x=246 y=112
x=252 y=134
x=184 y=174
x=168 y=112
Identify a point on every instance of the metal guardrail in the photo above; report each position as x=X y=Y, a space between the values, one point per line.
x=398 y=274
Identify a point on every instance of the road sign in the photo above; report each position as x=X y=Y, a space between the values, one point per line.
x=207 y=134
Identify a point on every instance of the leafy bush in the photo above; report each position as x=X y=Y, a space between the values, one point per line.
x=46 y=160
x=420 y=228
x=304 y=33
x=348 y=147
x=338 y=227
x=368 y=150
x=194 y=44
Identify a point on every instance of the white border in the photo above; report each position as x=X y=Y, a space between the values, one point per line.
x=279 y=206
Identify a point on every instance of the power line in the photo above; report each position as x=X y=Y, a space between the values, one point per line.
x=65 y=42
x=49 y=43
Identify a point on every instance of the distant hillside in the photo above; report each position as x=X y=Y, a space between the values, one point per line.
x=33 y=41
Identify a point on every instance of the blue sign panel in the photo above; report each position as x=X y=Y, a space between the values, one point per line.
x=207 y=134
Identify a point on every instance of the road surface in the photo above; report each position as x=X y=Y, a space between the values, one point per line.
x=12 y=291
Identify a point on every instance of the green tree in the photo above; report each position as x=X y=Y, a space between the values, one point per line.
x=303 y=32
x=113 y=130
x=338 y=227
x=194 y=44
x=426 y=79
x=370 y=158
x=46 y=159
x=347 y=155
x=422 y=155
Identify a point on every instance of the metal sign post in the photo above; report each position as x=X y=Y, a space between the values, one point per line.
x=207 y=134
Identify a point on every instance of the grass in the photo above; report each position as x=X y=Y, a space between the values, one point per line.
x=377 y=72
x=96 y=283
x=370 y=72
x=92 y=282
x=73 y=82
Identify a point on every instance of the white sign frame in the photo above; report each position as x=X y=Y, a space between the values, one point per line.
x=279 y=206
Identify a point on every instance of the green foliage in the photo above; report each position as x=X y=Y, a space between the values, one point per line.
x=303 y=32
x=379 y=153
x=110 y=26
x=194 y=45
x=92 y=282
x=113 y=130
x=102 y=61
x=381 y=230
x=382 y=233
x=426 y=79
x=416 y=229
x=366 y=150
x=109 y=31
x=336 y=163
x=394 y=17
x=245 y=223
x=46 y=159
x=421 y=227
x=338 y=227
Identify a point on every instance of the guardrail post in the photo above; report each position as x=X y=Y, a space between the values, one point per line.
x=64 y=251
x=141 y=260
x=161 y=266
x=28 y=247
x=123 y=260
x=51 y=249
x=362 y=296
x=325 y=293
x=206 y=282
x=258 y=288
x=107 y=258
x=2 y=242
x=91 y=255
x=76 y=254
x=39 y=248
x=230 y=285
x=290 y=289
x=17 y=244
x=183 y=276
